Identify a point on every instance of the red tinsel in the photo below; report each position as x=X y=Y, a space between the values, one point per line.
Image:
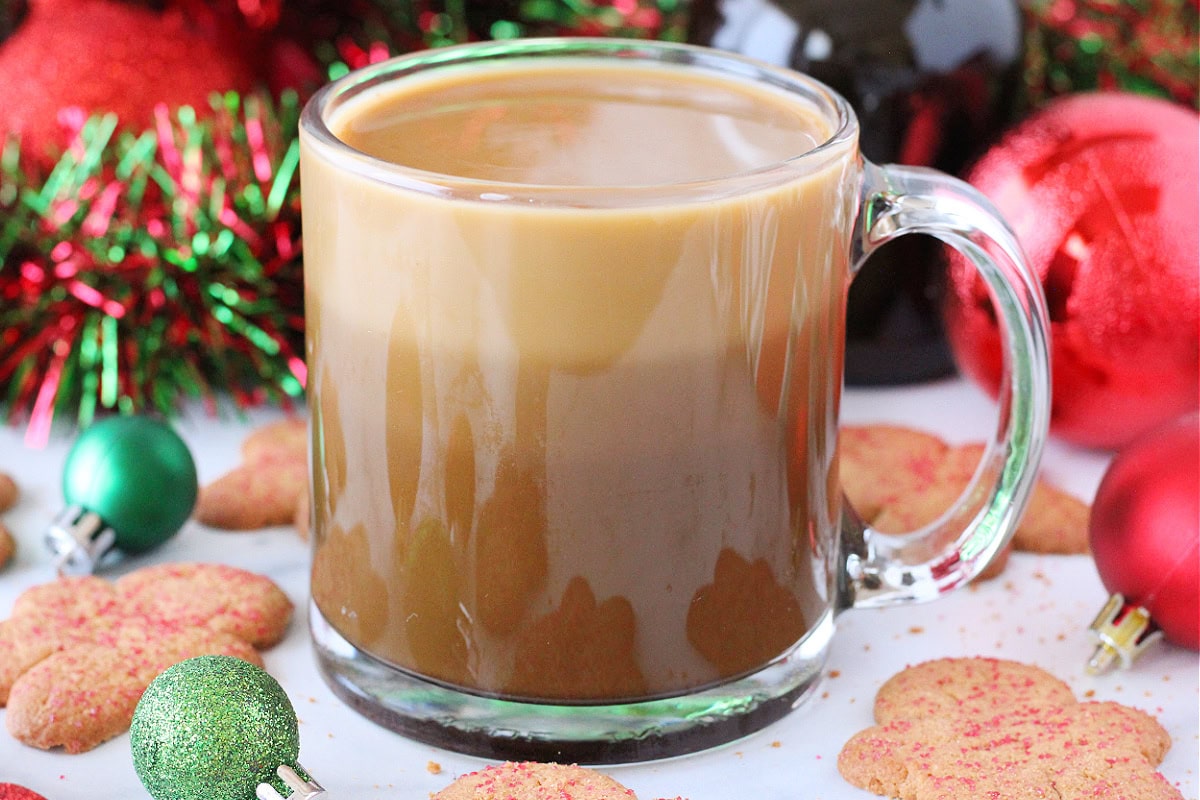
x=158 y=258
x=155 y=267
x=1144 y=46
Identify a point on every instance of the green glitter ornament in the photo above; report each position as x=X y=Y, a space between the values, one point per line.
x=218 y=728
x=129 y=483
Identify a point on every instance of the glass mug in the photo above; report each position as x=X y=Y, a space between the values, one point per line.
x=575 y=318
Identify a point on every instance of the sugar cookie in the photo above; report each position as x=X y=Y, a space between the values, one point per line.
x=534 y=781
x=77 y=652
x=985 y=727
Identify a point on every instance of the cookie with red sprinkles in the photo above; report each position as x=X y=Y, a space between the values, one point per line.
x=899 y=479
x=528 y=780
x=267 y=488
x=985 y=727
x=215 y=596
x=78 y=652
x=11 y=791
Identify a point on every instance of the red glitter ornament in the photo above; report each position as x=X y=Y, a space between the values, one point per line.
x=1145 y=538
x=11 y=791
x=108 y=56
x=1102 y=192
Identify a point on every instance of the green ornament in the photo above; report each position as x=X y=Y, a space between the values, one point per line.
x=129 y=483
x=217 y=728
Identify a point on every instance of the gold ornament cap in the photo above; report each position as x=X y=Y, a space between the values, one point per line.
x=1122 y=632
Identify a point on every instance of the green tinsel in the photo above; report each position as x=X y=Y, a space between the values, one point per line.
x=1144 y=46
x=145 y=268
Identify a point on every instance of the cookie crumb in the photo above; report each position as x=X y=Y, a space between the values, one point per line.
x=433 y=768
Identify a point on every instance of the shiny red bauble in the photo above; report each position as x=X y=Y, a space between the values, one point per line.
x=109 y=56
x=1145 y=527
x=1102 y=192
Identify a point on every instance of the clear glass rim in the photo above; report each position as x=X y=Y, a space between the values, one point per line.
x=316 y=133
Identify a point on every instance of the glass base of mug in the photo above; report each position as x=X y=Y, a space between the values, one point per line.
x=581 y=734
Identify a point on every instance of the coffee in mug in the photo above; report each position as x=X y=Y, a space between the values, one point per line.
x=575 y=320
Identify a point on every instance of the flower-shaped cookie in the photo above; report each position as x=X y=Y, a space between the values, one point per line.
x=78 y=652
x=899 y=479
x=267 y=487
x=983 y=727
x=531 y=781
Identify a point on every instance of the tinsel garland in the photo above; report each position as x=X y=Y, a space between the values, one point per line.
x=149 y=268
x=1144 y=46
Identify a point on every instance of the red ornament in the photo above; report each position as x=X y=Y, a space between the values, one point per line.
x=104 y=55
x=1145 y=533
x=11 y=791
x=1102 y=192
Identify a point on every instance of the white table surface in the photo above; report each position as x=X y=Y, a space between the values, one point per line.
x=1037 y=612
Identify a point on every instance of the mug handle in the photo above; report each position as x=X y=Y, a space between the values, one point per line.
x=887 y=569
